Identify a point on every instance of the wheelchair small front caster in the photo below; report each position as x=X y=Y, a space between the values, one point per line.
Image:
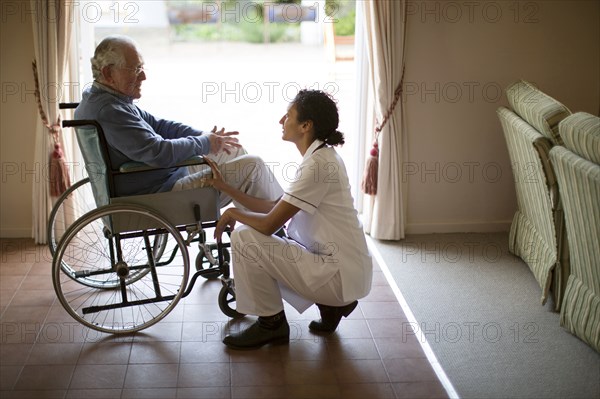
x=227 y=298
x=208 y=258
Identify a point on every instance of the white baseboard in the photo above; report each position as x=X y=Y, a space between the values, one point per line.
x=15 y=232
x=458 y=227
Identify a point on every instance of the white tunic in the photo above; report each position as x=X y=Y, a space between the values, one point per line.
x=324 y=260
x=328 y=224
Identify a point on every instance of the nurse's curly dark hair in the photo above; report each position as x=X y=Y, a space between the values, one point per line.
x=320 y=108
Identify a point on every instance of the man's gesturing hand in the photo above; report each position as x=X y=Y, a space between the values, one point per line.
x=222 y=141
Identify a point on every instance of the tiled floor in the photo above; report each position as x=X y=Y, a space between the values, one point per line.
x=45 y=353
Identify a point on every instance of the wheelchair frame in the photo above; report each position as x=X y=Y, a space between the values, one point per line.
x=101 y=297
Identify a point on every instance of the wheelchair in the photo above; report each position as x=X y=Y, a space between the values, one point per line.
x=121 y=264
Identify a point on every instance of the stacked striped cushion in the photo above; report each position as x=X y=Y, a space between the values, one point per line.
x=539 y=110
x=532 y=235
x=531 y=129
x=577 y=167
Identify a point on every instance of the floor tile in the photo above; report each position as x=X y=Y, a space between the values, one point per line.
x=37 y=394
x=371 y=391
x=204 y=375
x=262 y=373
x=309 y=372
x=259 y=392
x=44 y=377
x=382 y=310
x=380 y=293
x=44 y=352
x=98 y=376
x=11 y=282
x=14 y=269
x=409 y=370
x=25 y=314
x=9 y=376
x=348 y=329
x=418 y=390
x=14 y=354
x=161 y=331
x=204 y=393
x=6 y=296
x=105 y=353
x=155 y=352
x=203 y=352
x=268 y=353
x=106 y=393
x=351 y=349
x=151 y=376
x=305 y=349
x=392 y=348
x=204 y=313
x=378 y=279
x=361 y=371
x=148 y=393
x=36 y=282
x=391 y=328
x=313 y=391
x=25 y=297
x=54 y=353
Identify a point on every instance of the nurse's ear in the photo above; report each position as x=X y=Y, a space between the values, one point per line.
x=307 y=125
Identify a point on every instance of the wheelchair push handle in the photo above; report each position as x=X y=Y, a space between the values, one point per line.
x=67 y=105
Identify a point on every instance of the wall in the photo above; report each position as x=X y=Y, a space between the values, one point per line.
x=17 y=122
x=460 y=57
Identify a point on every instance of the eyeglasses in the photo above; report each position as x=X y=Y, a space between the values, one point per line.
x=137 y=70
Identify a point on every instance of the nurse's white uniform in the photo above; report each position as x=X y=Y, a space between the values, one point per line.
x=325 y=259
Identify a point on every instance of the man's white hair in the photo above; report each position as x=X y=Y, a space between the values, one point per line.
x=110 y=52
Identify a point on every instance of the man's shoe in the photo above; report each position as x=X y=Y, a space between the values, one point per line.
x=330 y=317
x=266 y=330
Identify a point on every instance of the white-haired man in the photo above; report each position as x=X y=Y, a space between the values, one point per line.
x=133 y=134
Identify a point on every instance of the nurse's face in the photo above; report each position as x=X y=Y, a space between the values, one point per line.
x=292 y=129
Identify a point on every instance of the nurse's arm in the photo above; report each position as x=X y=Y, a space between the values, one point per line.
x=265 y=223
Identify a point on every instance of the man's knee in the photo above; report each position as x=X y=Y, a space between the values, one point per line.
x=245 y=168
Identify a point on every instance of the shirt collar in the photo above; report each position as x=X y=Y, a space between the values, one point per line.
x=312 y=148
x=100 y=86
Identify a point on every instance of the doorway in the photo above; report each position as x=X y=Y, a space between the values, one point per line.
x=237 y=64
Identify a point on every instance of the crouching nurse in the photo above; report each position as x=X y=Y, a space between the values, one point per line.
x=322 y=258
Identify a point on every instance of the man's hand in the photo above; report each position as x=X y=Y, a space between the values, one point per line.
x=222 y=141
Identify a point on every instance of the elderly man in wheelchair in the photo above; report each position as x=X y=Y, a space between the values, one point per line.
x=124 y=265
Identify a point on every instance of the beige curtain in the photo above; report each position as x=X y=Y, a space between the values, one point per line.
x=385 y=26
x=52 y=21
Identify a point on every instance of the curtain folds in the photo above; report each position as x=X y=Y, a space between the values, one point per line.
x=52 y=21
x=385 y=25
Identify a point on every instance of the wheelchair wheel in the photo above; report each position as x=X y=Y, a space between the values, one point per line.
x=147 y=289
x=208 y=258
x=227 y=300
x=74 y=203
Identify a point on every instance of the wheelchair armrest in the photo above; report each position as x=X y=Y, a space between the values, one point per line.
x=130 y=167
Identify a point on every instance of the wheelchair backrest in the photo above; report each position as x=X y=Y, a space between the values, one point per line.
x=95 y=163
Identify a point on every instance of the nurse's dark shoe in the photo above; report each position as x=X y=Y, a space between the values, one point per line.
x=266 y=330
x=330 y=317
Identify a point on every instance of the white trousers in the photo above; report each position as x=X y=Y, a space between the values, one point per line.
x=247 y=173
x=267 y=269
